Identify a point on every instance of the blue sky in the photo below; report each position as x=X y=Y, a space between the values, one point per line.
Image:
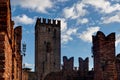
x=80 y=19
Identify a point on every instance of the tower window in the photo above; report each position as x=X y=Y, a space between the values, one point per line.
x=54 y=33
x=48 y=29
x=43 y=65
x=54 y=64
x=48 y=47
x=45 y=42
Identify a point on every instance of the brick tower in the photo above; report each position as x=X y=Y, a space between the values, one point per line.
x=104 y=57
x=5 y=17
x=10 y=45
x=5 y=41
x=47 y=47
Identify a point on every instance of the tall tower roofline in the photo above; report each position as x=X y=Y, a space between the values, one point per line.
x=103 y=51
x=101 y=36
x=47 y=47
x=44 y=21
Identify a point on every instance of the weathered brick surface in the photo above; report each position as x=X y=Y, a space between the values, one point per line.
x=118 y=65
x=83 y=67
x=68 y=64
x=25 y=74
x=68 y=73
x=47 y=47
x=10 y=57
x=17 y=58
x=104 y=57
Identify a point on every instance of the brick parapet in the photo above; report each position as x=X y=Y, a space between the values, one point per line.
x=68 y=64
x=83 y=66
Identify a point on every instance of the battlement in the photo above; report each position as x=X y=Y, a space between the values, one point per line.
x=83 y=65
x=100 y=39
x=43 y=21
x=68 y=63
x=83 y=61
x=101 y=36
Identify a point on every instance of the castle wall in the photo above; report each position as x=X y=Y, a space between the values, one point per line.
x=25 y=74
x=68 y=64
x=83 y=67
x=17 y=57
x=68 y=73
x=118 y=65
x=104 y=57
x=10 y=58
x=5 y=58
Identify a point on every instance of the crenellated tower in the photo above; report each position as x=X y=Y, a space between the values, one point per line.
x=68 y=64
x=83 y=67
x=47 y=47
x=104 y=56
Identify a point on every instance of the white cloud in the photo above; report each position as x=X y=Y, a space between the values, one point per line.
x=87 y=35
x=76 y=11
x=29 y=32
x=65 y=39
x=112 y=19
x=115 y=0
x=67 y=35
x=71 y=31
x=63 y=24
x=61 y=0
x=28 y=65
x=104 y=6
x=82 y=21
x=23 y=19
x=117 y=39
x=35 y=5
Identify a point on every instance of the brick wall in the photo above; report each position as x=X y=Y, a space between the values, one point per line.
x=47 y=47
x=68 y=64
x=10 y=57
x=104 y=57
x=83 y=67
